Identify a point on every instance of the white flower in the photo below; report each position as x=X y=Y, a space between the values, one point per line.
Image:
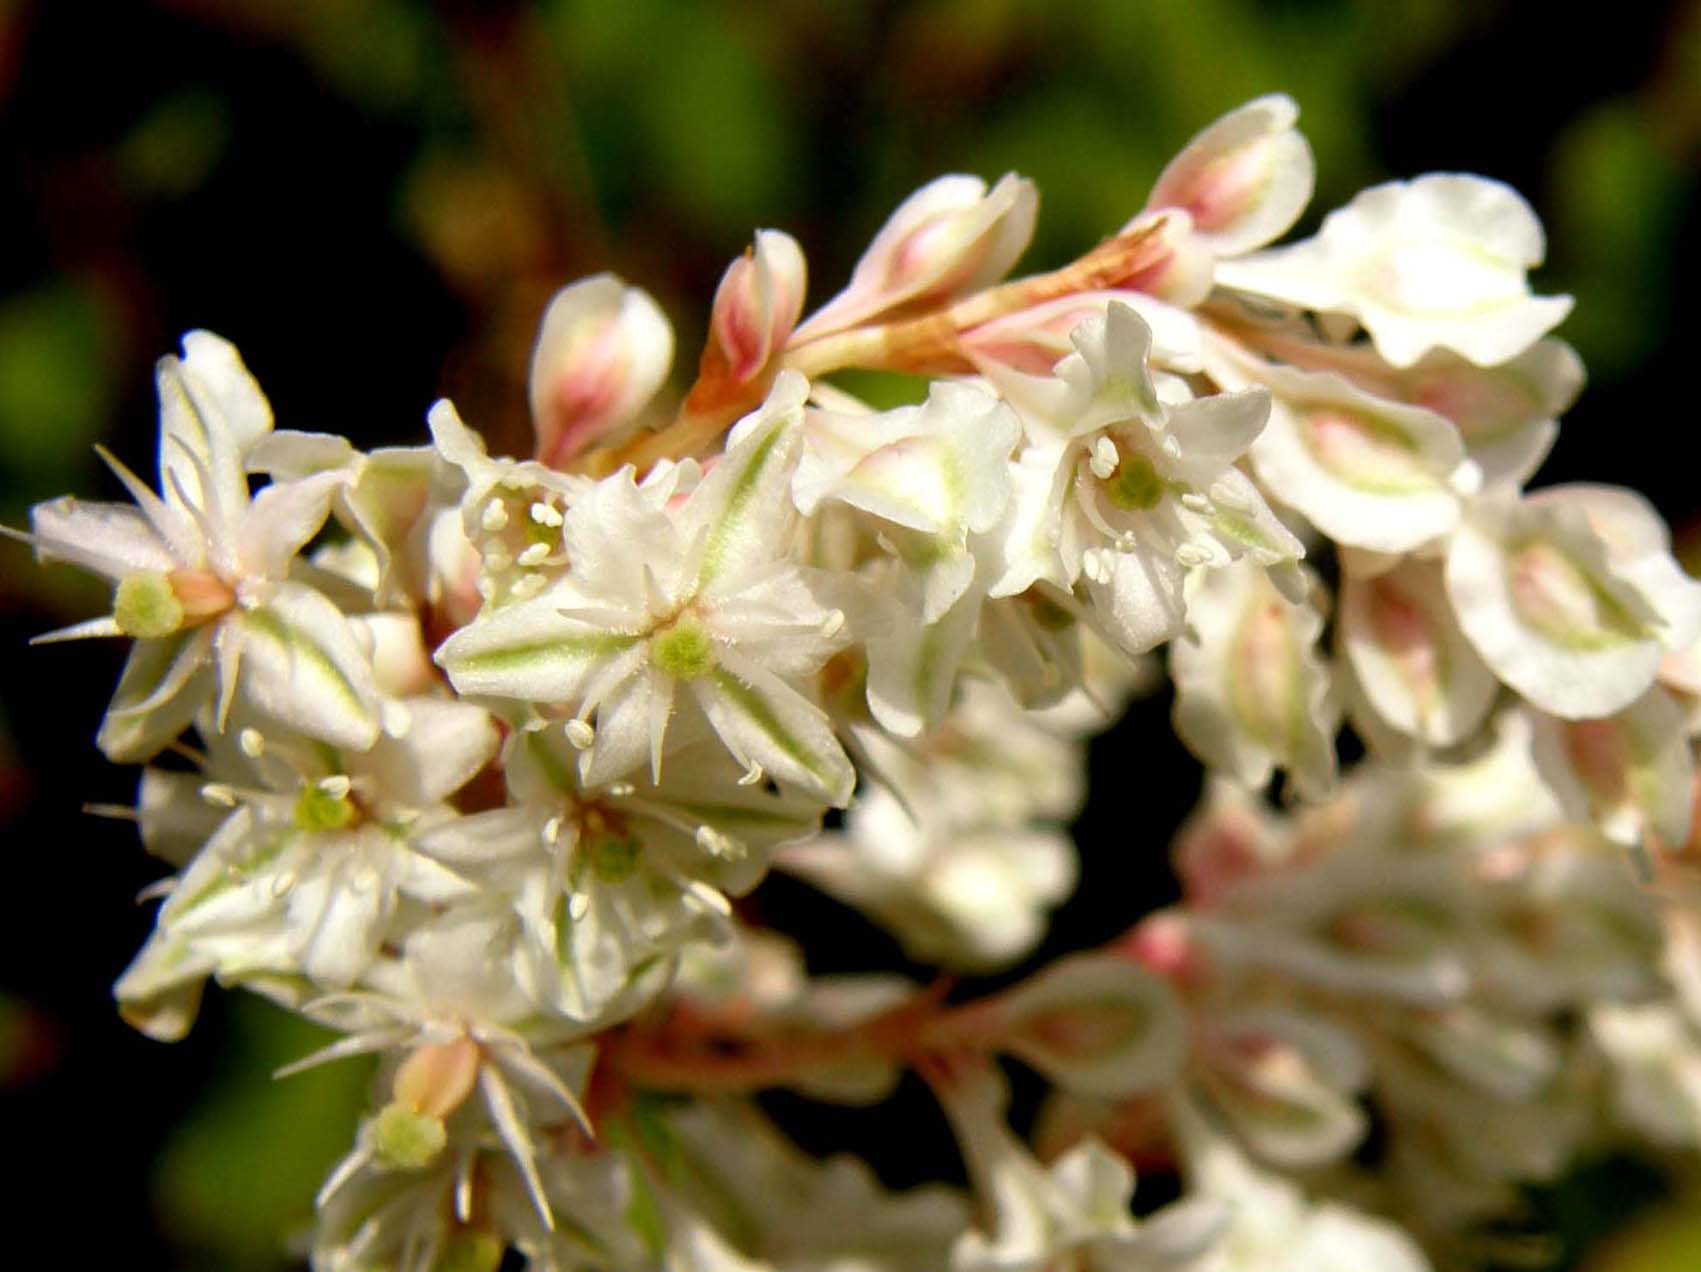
x=702 y=598
x=1074 y=1214
x=307 y=871
x=1140 y=492
x=1571 y=596
x=1252 y=691
x=608 y=884
x=960 y=894
x=1435 y=262
x=1244 y=180
x=1409 y=657
x=950 y=237
x=202 y=574
x=603 y=349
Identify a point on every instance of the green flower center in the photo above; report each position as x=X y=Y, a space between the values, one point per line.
x=1135 y=486
x=318 y=810
x=683 y=650
x=146 y=607
x=404 y=1139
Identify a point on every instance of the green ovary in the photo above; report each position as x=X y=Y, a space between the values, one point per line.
x=682 y=651
x=317 y=810
x=146 y=607
x=613 y=857
x=1135 y=485
x=405 y=1140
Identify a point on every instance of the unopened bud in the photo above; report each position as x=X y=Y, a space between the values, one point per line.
x=603 y=349
x=949 y=238
x=1244 y=180
x=756 y=307
x=1097 y=1025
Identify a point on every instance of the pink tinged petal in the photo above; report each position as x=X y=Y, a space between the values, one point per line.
x=1412 y=662
x=1252 y=691
x=949 y=238
x=1097 y=1026
x=1534 y=590
x=1030 y=341
x=446 y=743
x=164 y=683
x=1631 y=774
x=1505 y=414
x=1639 y=548
x=1368 y=472
x=529 y=652
x=108 y=539
x=302 y=666
x=602 y=351
x=755 y=308
x=742 y=508
x=1244 y=180
x=762 y=719
x=280 y=521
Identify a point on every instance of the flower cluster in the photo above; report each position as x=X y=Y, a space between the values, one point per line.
x=487 y=750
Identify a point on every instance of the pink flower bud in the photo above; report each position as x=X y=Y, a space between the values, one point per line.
x=1177 y=261
x=1244 y=180
x=949 y=238
x=603 y=349
x=756 y=307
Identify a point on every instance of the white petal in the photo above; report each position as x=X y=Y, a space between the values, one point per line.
x=301 y=664
x=761 y=718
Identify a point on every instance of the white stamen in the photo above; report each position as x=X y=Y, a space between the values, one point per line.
x=544 y=515
x=495 y=516
x=552 y=831
x=717 y=844
x=219 y=794
x=496 y=561
x=282 y=885
x=252 y=742
x=707 y=899
x=1171 y=446
x=337 y=785
x=528 y=586
x=1229 y=497
x=578 y=906
x=833 y=624
x=1105 y=458
x=580 y=733
x=536 y=554
x=622 y=790
x=1196 y=501
x=1189 y=555
x=752 y=775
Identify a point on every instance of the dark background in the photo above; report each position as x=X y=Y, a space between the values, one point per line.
x=375 y=198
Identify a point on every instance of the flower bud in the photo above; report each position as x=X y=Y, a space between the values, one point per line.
x=949 y=238
x=756 y=307
x=603 y=349
x=1244 y=180
x=1097 y=1026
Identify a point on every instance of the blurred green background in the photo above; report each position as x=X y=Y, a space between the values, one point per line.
x=375 y=198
